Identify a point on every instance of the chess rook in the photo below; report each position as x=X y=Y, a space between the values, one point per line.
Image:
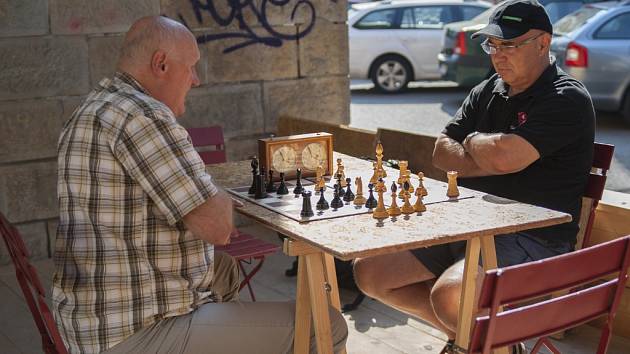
x=452 y=190
x=307 y=209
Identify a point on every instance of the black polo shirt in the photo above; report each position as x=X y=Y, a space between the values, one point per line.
x=556 y=116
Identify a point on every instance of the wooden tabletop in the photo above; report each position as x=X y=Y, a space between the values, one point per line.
x=362 y=235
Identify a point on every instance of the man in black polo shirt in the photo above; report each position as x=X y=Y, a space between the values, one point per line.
x=526 y=134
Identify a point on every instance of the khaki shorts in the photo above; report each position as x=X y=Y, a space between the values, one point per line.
x=230 y=326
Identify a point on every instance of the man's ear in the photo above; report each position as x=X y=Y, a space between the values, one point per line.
x=158 y=63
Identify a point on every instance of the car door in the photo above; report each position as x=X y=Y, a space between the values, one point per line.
x=420 y=33
x=369 y=37
x=609 y=61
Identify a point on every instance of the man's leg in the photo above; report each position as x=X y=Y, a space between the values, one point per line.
x=399 y=280
x=225 y=281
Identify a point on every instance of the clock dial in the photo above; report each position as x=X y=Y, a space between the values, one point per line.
x=313 y=155
x=284 y=159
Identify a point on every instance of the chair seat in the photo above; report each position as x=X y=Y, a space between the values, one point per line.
x=246 y=246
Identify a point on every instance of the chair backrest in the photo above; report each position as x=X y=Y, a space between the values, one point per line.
x=543 y=317
x=32 y=288
x=602 y=158
x=209 y=143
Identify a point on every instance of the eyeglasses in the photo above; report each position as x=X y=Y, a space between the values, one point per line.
x=491 y=49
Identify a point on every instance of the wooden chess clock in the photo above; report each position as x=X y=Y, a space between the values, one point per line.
x=288 y=153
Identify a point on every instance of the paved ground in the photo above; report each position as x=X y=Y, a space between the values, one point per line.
x=374 y=328
x=428 y=106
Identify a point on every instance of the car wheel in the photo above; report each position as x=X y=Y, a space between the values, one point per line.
x=625 y=112
x=390 y=74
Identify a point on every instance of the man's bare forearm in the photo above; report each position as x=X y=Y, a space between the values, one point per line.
x=212 y=221
x=449 y=155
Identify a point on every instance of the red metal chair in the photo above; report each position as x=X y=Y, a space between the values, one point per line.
x=602 y=158
x=243 y=247
x=541 y=318
x=32 y=288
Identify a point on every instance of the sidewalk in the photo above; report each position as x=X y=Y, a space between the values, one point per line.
x=374 y=328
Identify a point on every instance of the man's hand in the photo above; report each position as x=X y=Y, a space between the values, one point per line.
x=237 y=203
x=449 y=155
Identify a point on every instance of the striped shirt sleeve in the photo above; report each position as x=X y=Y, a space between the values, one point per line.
x=158 y=154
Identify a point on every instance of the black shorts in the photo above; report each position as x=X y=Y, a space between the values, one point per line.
x=511 y=249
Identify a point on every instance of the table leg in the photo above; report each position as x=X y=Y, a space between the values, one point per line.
x=302 y=337
x=319 y=302
x=331 y=278
x=489 y=257
x=467 y=297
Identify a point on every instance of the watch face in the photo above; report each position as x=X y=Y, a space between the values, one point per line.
x=313 y=155
x=283 y=159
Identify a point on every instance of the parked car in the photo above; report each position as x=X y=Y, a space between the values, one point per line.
x=394 y=42
x=593 y=45
x=461 y=58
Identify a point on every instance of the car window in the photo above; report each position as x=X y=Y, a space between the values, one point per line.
x=380 y=19
x=469 y=12
x=617 y=28
x=573 y=21
x=557 y=10
x=426 y=17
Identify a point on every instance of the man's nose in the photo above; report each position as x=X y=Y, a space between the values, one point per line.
x=195 y=78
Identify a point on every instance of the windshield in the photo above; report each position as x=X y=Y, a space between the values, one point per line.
x=573 y=21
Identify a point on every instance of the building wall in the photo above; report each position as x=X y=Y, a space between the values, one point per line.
x=259 y=61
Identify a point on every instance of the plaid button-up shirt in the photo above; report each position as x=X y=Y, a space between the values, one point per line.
x=123 y=259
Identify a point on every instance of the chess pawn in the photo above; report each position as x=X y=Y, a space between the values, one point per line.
x=298 y=184
x=407 y=208
x=307 y=209
x=320 y=182
x=419 y=205
x=393 y=209
x=322 y=203
x=282 y=188
x=348 y=195
x=371 y=202
x=336 y=203
x=380 y=212
x=408 y=180
x=271 y=187
x=452 y=190
x=423 y=190
x=359 y=199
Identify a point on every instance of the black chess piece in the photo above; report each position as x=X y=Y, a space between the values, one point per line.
x=260 y=187
x=336 y=203
x=282 y=188
x=322 y=203
x=254 y=164
x=307 y=209
x=341 y=191
x=394 y=188
x=371 y=202
x=271 y=187
x=298 y=184
x=348 y=195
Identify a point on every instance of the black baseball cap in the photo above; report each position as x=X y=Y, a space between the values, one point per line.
x=514 y=18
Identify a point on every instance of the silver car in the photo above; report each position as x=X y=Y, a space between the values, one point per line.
x=593 y=45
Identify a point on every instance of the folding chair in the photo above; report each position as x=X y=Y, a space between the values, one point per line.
x=608 y=261
x=243 y=247
x=602 y=158
x=32 y=288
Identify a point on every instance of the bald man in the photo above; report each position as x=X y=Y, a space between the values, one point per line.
x=135 y=268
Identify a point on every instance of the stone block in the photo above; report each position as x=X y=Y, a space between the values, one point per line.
x=222 y=15
x=35 y=238
x=103 y=51
x=23 y=18
x=24 y=122
x=237 y=108
x=43 y=66
x=325 y=99
x=251 y=63
x=112 y=16
x=325 y=50
x=29 y=191
x=243 y=147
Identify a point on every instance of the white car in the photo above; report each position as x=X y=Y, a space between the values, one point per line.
x=394 y=42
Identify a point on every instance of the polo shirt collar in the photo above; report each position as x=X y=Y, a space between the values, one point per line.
x=500 y=87
x=130 y=80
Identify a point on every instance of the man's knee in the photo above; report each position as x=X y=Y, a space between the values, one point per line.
x=365 y=277
x=339 y=332
x=445 y=297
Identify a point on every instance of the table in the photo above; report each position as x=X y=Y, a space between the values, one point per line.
x=475 y=220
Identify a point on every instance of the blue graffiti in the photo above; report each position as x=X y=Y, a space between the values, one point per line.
x=272 y=37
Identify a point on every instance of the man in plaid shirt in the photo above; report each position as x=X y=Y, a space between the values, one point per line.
x=135 y=265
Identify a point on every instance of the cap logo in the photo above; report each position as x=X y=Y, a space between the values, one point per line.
x=512 y=18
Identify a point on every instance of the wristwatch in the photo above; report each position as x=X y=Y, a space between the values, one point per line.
x=468 y=137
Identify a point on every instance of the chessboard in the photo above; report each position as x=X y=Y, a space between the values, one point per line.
x=290 y=205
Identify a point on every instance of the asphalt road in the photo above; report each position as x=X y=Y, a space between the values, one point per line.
x=428 y=106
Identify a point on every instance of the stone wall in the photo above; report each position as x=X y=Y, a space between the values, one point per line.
x=259 y=61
